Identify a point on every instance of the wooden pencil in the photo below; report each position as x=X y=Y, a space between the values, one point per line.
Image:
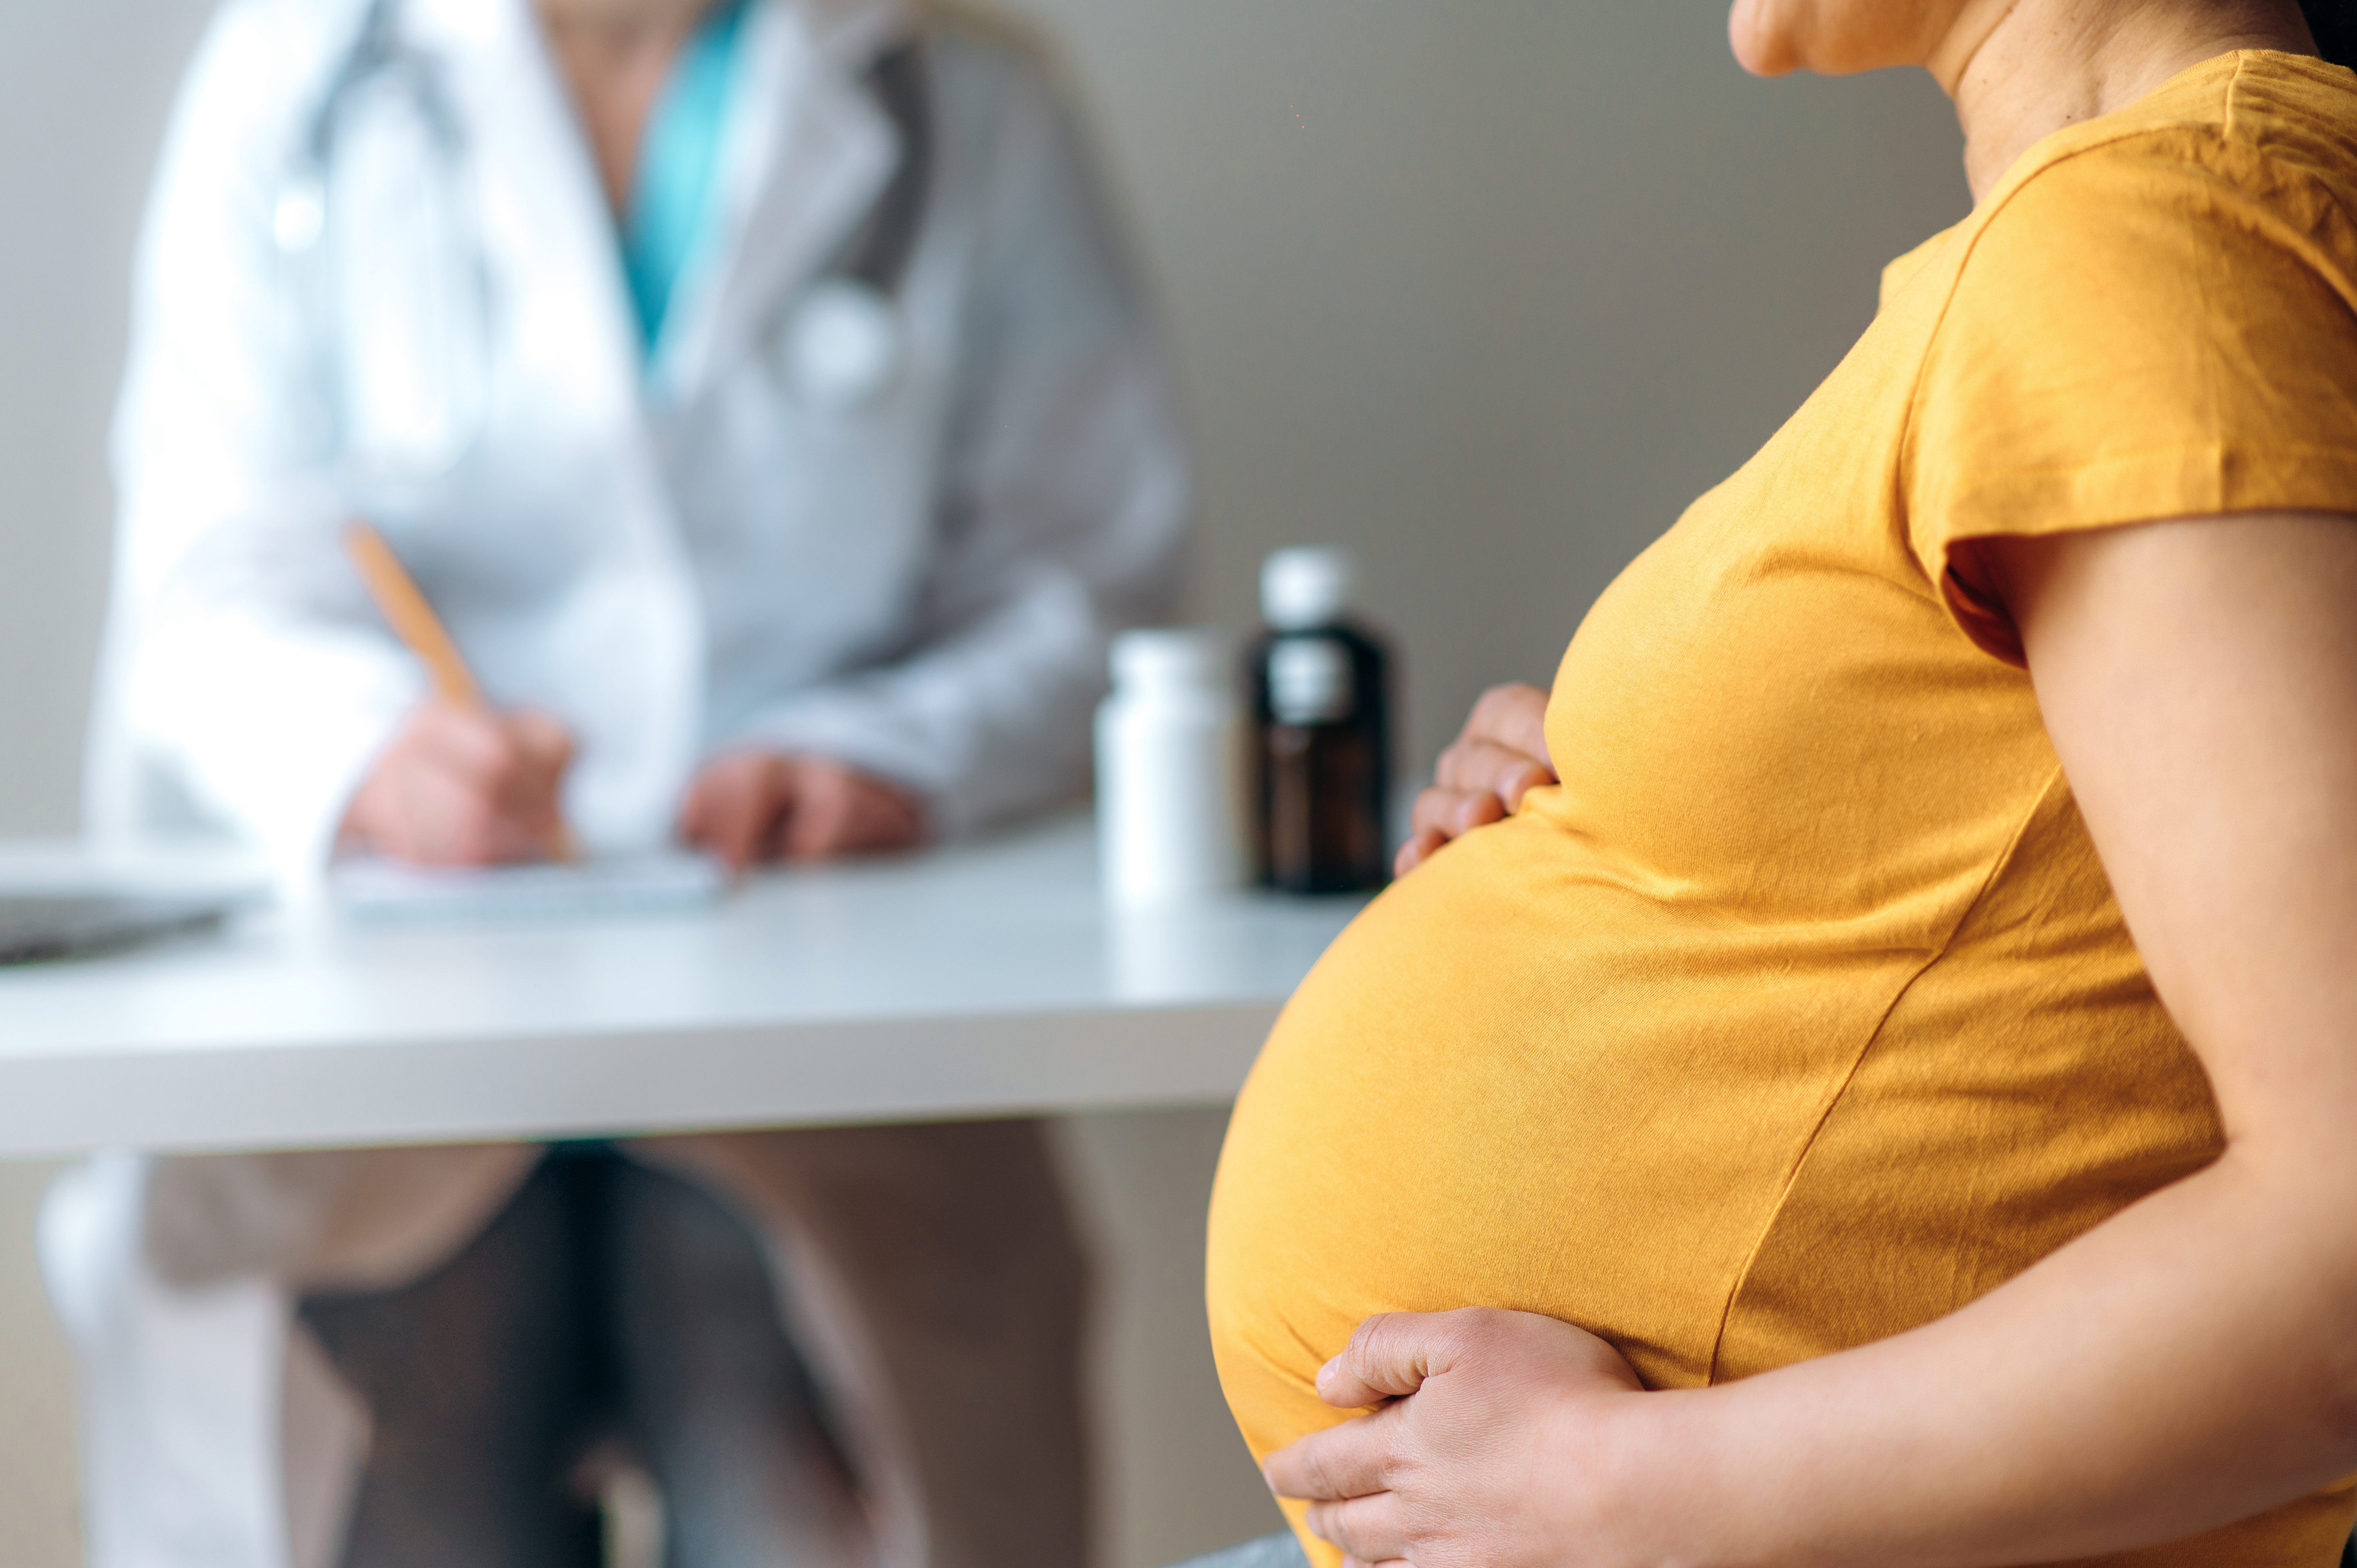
x=412 y=620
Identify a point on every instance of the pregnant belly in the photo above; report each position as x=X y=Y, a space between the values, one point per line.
x=1517 y=1082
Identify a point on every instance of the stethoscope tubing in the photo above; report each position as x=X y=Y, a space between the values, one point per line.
x=847 y=336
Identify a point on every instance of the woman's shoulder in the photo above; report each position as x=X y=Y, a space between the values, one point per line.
x=2226 y=197
x=2252 y=139
x=2153 y=315
x=2296 y=110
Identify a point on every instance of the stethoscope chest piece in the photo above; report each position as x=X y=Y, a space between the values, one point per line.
x=845 y=342
x=843 y=346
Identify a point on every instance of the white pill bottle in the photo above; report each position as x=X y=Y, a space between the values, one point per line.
x=1170 y=770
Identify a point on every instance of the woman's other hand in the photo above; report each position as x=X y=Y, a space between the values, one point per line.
x=1501 y=756
x=750 y=807
x=459 y=786
x=1491 y=1427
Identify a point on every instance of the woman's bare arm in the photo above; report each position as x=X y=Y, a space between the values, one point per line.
x=2190 y=1363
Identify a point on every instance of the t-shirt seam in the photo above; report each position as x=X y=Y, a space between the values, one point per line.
x=2222 y=448
x=2256 y=145
x=1997 y=862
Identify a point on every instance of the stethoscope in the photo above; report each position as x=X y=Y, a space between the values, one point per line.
x=846 y=338
x=839 y=347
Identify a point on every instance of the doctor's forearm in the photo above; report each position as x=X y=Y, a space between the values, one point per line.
x=2184 y=1365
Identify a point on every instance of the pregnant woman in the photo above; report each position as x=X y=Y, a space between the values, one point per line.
x=1894 y=1098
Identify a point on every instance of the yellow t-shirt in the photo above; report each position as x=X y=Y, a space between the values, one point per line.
x=1801 y=1013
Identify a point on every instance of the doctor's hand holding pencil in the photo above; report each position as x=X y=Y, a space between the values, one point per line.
x=461 y=783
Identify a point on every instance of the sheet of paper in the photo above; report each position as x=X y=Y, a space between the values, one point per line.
x=654 y=884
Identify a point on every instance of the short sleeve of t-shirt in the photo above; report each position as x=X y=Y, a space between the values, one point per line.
x=2160 y=325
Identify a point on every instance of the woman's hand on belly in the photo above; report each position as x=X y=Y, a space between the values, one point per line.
x=1501 y=756
x=1490 y=1446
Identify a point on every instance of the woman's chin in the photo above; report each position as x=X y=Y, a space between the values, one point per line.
x=1835 y=38
x=1761 y=47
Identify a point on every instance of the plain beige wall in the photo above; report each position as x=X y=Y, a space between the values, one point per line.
x=1489 y=290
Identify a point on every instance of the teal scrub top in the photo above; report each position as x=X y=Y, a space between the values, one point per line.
x=673 y=196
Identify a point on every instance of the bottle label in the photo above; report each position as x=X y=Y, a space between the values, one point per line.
x=1309 y=680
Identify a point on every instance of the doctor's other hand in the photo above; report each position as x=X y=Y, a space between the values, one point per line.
x=459 y=786
x=750 y=807
x=1490 y=1446
x=1501 y=756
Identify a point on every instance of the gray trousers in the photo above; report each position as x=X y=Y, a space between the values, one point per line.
x=856 y=1347
x=607 y=1301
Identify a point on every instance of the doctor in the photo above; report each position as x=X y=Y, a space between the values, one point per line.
x=759 y=394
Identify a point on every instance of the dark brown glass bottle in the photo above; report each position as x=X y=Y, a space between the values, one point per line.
x=1320 y=688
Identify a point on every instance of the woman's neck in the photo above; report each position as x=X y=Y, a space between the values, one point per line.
x=615 y=56
x=2021 y=70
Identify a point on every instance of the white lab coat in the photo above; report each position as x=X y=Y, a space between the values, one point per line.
x=672 y=554
x=677 y=556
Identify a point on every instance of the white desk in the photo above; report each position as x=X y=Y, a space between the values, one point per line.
x=985 y=979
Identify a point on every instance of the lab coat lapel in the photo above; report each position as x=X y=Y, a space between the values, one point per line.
x=632 y=635
x=546 y=214
x=807 y=153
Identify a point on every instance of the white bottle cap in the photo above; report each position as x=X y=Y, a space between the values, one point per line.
x=1165 y=657
x=1305 y=587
